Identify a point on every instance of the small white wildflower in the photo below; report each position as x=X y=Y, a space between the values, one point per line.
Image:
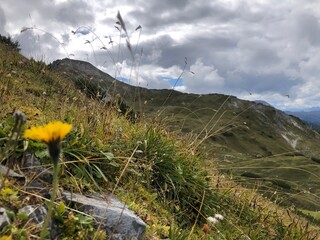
x=218 y=216
x=212 y=220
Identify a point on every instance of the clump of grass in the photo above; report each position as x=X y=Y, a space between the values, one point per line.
x=177 y=177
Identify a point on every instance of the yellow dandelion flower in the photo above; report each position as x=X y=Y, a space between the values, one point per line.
x=6 y=238
x=52 y=132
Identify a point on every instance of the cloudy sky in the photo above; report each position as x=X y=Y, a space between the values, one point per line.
x=253 y=49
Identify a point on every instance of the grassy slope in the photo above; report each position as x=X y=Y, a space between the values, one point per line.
x=165 y=185
x=245 y=137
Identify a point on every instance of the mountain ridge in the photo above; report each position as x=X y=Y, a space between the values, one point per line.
x=176 y=104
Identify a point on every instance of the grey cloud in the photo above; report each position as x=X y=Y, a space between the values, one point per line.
x=307 y=27
x=153 y=52
x=49 y=15
x=65 y=38
x=23 y=7
x=309 y=67
x=23 y=13
x=41 y=47
x=74 y=12
x=29 y=42
x=173 y=53
x=214 y=49
x=257 y=67
x=163 y=5
x=257 y=55
x=261 y=83
x=158 y=14
x=206 y=79
x=2 y=22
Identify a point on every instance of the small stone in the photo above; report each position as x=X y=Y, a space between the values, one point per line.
x=30 y=161
x=36 y=213
x=117 y=220
x=32 y=165
x=4 y=219
x=4 y=170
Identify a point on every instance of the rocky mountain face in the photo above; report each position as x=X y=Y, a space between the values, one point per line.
x=227 y=123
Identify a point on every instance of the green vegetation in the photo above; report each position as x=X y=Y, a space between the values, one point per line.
x=166 y=177
x=295 y=179
x=14 y=45
x=243 y=137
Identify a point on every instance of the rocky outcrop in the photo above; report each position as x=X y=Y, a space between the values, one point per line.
x=113 y=215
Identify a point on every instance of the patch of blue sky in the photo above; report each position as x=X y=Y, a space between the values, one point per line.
x=173 y=81
x=123 y=79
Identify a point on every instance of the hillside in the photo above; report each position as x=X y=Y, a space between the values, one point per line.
x=310 y=116
x=246 y=138
x=163 y=174
x=241 y=126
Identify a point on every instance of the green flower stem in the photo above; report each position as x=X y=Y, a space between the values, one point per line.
x=44 y=231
